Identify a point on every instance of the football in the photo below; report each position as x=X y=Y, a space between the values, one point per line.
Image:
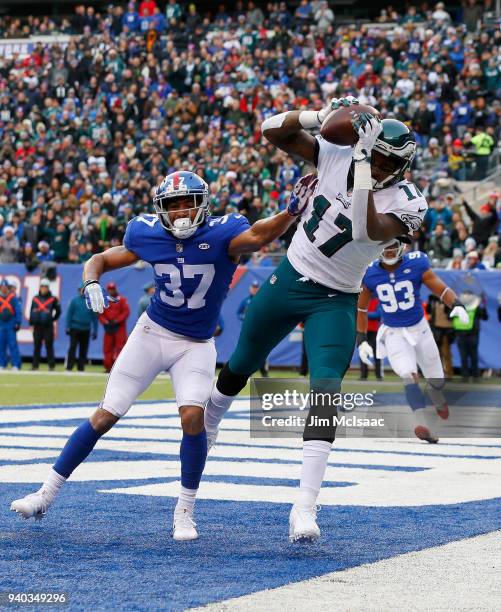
x=337 y=126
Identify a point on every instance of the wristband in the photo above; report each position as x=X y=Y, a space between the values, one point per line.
x=361 y=337
x=363 y=175
x=309 y=120
x=89 y=282
x=441 y=298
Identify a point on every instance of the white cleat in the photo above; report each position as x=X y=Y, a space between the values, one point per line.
x=211 y=439
x=303 y=524
x=34 y=505
x=184 y=527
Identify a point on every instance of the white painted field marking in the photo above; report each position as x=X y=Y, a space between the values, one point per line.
x=461 y=576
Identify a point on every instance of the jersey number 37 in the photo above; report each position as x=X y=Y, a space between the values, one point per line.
x=176 y=297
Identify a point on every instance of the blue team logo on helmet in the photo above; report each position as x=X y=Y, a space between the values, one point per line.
x=184 y=185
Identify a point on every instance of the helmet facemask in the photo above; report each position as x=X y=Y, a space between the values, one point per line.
x=185 y=225
x=392 y=253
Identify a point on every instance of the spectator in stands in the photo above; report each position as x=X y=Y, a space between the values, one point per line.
x=440 y=242
x=10 y=323
x=467 y=334
x=28 y=257
x=9 y=245
x=492 y=253
x=114 y=322
x=81 y=325
x=45 y=311
x=45 y=253
x=485 y=222
x=472 y=261
x=484 y=144
x=456 y=263
x=145 y=299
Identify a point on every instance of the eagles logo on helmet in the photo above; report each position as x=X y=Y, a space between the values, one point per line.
x=392 y=154
x=182 y=186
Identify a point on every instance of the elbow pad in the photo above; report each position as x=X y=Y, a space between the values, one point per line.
x=274 y=122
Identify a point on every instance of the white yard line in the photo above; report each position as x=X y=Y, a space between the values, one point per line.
x=461 y=575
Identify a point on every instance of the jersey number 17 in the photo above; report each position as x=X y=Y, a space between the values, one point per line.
x=320 y=207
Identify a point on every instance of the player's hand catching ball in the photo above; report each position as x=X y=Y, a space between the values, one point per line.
x=368 y=129
x=302 y=192
x=460 y=311
x=95 y=298
x=334 y=104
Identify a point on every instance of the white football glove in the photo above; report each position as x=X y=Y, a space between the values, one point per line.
x=366 y=353
x=95 y=298
x=314 y=119
x=368 y=129
x=334 y=104
x=460 y=312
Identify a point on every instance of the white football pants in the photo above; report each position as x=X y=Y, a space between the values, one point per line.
x=409 y=347
x=152 y=349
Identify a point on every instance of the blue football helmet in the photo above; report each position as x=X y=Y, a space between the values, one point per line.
x=182 y=184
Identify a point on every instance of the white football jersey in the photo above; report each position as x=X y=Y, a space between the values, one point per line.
x=323 y=248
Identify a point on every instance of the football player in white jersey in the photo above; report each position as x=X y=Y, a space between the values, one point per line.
x=360 y=203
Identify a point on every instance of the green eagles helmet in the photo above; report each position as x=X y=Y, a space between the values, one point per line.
x=393 y=153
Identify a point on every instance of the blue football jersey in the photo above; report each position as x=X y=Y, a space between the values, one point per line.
x=399 y=291
x=192 y=276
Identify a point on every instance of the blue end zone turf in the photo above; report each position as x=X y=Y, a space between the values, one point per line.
x=115 y=551
x=110 y=551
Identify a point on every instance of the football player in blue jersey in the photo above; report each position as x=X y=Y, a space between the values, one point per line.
x=194 y=256
x=405 y=336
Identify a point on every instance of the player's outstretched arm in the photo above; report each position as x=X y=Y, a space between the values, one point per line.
x=288 y=131
x=264 y=231
x=261 y=233
x=446 y=295
x=368 y=224
x=112 y=259
x=362 y=308
x=365 y=351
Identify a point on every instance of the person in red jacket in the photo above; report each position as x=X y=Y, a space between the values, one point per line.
x=114 y=320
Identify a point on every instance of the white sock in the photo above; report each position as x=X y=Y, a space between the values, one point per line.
x=186 y=500
x=315 y=456
x=52 y=484
x=217 y=406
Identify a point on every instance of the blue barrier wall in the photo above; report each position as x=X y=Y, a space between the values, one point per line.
x=131 y=280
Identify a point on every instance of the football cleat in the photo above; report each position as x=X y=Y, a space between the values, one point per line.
x=303 y=524
x=184 y=527
x=443 y=411
x=34 y=505
x=211 y=438
x=423 y=433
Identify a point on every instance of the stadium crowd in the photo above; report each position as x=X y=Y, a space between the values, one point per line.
x=89 y=126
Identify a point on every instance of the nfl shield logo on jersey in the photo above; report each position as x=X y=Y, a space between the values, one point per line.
x=179 y=247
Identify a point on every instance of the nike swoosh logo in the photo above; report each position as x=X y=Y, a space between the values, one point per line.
x=331 y=294
x=421 y=209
